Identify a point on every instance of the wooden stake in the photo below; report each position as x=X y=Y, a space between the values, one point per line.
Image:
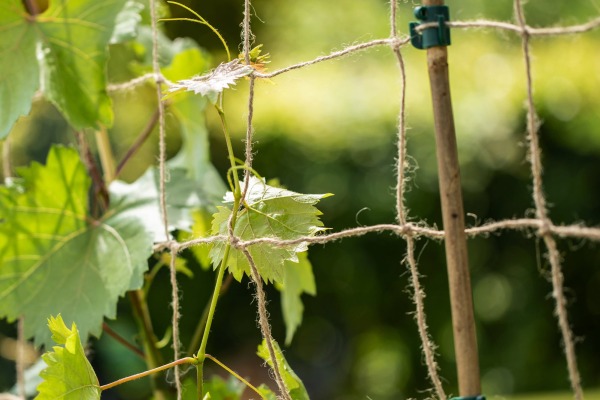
x=465 y=340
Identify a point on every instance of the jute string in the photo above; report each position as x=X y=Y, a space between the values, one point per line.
x=162 y=160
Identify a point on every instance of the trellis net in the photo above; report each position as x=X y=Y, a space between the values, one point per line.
x=541 y=225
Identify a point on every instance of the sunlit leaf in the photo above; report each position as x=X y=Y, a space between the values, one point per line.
x=73 y=39
x=167 y=50
x=127 y=22
x=69 y=375
x=293 y=384
x=180 y=264
x=140 y=200
x=298 y=278
x=200 y=229
x=187 y=62
x=267 y=392
x=55 y=259
x=194 y=155
x=258 y=61
x=217 y=387
x=64 y=48
x=270 y=212
x=18 y=67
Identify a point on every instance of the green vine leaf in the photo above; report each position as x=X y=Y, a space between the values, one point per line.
x=269 y=212
x=127 y=22
x=18 y=68
x=298 y=278
x=64 y=48
x=194 y=155
x=180 y=59
x=54 y=259
x=168 y=50
x=217 y=387
x=267 y=392
x=294 y=385
x=200 y=229
x=140 y=200
x=69 y=375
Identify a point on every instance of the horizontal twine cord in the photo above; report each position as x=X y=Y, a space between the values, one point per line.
x=395 y=43
x=507 y=26
x=415 y=230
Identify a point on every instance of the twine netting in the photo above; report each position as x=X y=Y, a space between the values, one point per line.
x=542 y=226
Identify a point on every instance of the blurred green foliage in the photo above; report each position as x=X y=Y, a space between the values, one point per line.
x=332 y=128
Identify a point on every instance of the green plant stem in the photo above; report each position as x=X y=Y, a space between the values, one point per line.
x=200 y=355
x=186 y=360
x=201 y=21
x=195 y=342
x=232 y=372
x=211 y=312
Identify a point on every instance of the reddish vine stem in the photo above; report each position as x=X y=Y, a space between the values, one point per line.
x=115 y=335
x=32 y=7
x=100 y=201
x=139 y=141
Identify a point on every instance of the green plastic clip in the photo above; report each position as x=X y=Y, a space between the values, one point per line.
x=434 y=36
x=469 y=398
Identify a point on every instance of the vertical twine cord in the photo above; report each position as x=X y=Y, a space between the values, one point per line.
x=418 y=296
x=175 y=316
x=540 y=204
x=428 y=347
x=263 y=320
x=163 y=197
x=532 y=122
x=401 y=167
x=247 y=33
x=249 y=133
x=393 y=13
x=161 y=120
